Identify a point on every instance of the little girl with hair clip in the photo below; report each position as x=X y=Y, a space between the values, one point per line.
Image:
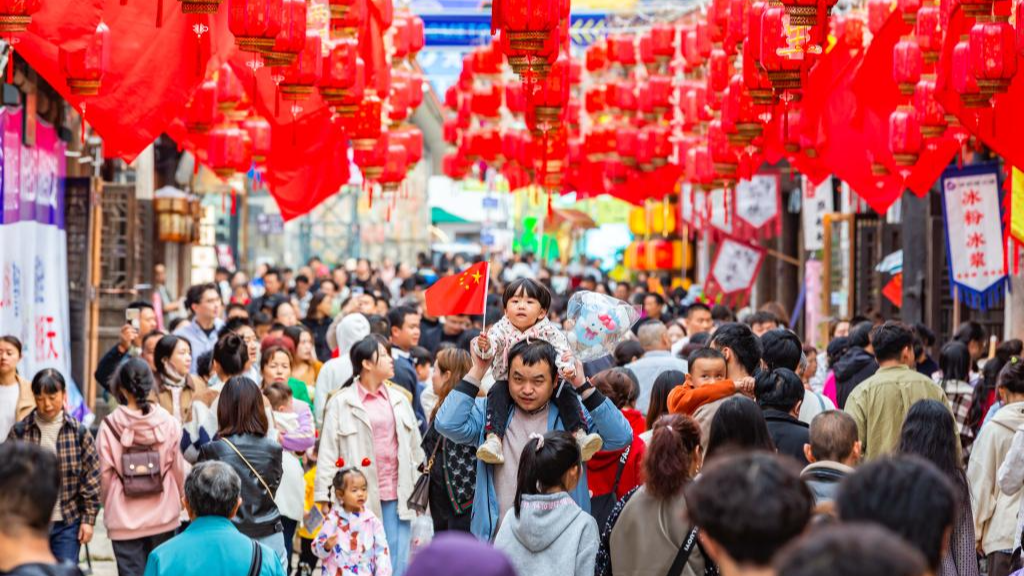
x=352 y=541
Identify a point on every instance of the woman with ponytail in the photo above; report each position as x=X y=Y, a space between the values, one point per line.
x=370 y=424
x=546 y=532
x=648 y=527
x=141 y=509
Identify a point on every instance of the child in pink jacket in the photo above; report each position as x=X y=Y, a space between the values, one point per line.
x=352 y=540
x=138 y=523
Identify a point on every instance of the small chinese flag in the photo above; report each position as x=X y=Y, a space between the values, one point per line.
x=463 y=293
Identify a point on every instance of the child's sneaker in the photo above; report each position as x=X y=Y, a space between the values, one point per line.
x=590 y=444
x=490 y=450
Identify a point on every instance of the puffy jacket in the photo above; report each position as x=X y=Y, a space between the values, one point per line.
x=995 y=512
x=258 y=516
x=853 y=368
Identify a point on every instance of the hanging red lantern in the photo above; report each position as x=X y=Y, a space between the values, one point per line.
x=291 y=38
x=300 y=78
x=993 y=55
x=878 y=13
x=226 y=150
x=201 y=113
x=1020 y=28
x=400 y=41
x=255 y=23
x=552 y=93
x=904 y=136
x=230 y=91
x=850 y=32
x=371 y=160
x=964 y=81
x=626 y=143
x=808 y=12
x=691 y=52
x=907 y=64
x=395 y=166
x=595 y=99
x=977 y=8
x=527 y=27
x=258 y=130
x=739 y=114
x=16 y=15
x=737 y=27
x=622 y=96
x=929 y=33
x=755 y=78
x=346 y=17
x=487 y=60
x=412 y=140
x=908 y=9
x=723 y=155
x=487 y=100
x=515 y=97
x=646 y=50
x=597 y=57
x=718 y=20
x=417 y=35
x=719 y=71
x=660 y=92
x=365 y=128
x=663 y=43
x=338 y=76
x=84 y=67
x=790 y=134
x=784 y=72
x=930 y=114
x=705 y=43
x=622 y=50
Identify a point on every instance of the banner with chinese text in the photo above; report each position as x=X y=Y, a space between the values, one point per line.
x=733 y=271
x=33 y=258
x=974 y=234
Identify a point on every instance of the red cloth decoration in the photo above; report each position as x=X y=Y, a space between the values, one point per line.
x=152 y=72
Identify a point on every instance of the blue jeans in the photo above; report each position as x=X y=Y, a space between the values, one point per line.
x=398 y=533
x=64 y=541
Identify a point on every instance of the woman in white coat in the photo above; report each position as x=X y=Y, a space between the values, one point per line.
x=371 y=425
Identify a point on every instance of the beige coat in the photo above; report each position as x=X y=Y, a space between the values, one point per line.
x=995 y=513
x=347 y=434
x=26 y=400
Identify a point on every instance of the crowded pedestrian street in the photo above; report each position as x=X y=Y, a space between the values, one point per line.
x=511 y=288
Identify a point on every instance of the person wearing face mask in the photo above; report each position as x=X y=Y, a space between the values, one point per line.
x=371 y=424
x=175 y=388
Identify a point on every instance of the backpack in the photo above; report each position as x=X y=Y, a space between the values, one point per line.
x=140 y=472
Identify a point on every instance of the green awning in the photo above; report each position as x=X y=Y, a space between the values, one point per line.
x=442 y=216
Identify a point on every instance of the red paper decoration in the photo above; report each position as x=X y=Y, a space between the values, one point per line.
x=255 y=23
x=993 y=56
x=291 y=38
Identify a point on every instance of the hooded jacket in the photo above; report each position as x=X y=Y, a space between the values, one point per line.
x=552 y=536
x=459 y=553
x=853 y=368
x=133 y=517
x=995 y=513
x=336 y=371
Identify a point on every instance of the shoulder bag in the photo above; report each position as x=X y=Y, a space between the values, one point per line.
x=601 y=506
x=270 y=493
x=420 y=498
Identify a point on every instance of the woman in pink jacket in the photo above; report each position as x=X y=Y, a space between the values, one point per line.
x=142 y=471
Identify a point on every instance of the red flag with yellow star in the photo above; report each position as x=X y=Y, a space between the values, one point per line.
x=462 y=293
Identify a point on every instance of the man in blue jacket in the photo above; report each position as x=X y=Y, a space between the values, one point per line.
x=532 y=379
x=211 y=545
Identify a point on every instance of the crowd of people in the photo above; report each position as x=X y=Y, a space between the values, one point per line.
x=322 y=420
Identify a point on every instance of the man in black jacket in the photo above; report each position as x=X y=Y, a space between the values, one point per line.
x=129 y=344
x=833 y=451
x=857 y=365
x=780 y=394
x=405 y=335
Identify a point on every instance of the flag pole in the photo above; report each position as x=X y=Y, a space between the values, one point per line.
x=487 y=291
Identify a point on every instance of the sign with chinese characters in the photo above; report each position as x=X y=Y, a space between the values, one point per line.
x=816 y=202
x=974 y=234
x=734 y=269
x=719 y=210
x=33 y=251
x=758 y=207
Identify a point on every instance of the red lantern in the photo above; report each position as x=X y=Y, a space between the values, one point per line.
x=878 y=13
x=301 y=77
x=622 y=96
x=365 y=127
x=930 y=114
x=928 y=33
x=255 y=23
x=338 y=76
x=84 y=67
x=807 y=12
x=663 y=38
x=371 y=160
x=739 y=114
x=417 y=35
x=230 y=91
x=705 y=43
x=292 y=38
x=737 y=26
x=552 y=93
x=977 y=8
x=346 y=17
x=227 y=151
x=993 y=55
x=783 y=72
x=647 y=52
x=394 y=166
x=399 y=101
x=487 y=60
x=755 y=78
x=16 y=15
x=625 y=144
x=850 y=32
x=258 y=130
x=790 y=134
x=515 y=97
x=964 y=81
x=660 y=93
x=723 y=155
x=527 y=27
x=621 y=50
x=597 y=57
x=454 y=167
x=487 y=100
x=904 y=136
x=1020 y=28
x=909 y=9
x=907 y=63
x=400 y=39
x=595 y=100
x=719 y=70
x=201 y=113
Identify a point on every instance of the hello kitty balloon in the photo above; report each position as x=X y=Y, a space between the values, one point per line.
x=598 y=323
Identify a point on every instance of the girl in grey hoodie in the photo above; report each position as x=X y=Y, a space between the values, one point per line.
x=545 y=532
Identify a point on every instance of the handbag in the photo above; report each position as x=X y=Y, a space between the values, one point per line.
x=420 y=498
x=270 y=492
x=601 y=506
